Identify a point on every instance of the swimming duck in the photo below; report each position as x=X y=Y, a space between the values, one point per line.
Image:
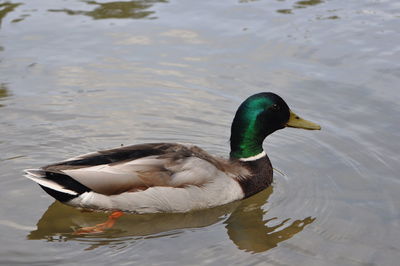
x=173 y=177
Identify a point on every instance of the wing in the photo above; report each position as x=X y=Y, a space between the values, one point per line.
x=136 y=168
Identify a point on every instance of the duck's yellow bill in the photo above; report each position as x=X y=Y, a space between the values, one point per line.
x=296 y=121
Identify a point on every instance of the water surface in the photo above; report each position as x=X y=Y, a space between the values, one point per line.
x=78 y=76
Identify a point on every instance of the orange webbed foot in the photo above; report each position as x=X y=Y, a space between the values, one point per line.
x=99 y=228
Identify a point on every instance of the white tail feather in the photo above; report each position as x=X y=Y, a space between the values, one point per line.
x=37 y=176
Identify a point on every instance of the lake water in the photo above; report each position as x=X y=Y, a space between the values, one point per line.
x=79 y=76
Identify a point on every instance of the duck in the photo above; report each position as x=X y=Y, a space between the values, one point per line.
x=174 y=177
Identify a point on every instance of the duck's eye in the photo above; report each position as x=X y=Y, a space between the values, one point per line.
x=275 y=107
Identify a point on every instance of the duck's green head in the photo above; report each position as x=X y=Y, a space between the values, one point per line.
x=257 y=117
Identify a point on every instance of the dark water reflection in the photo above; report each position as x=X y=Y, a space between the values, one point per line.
x=251 y=232
x=6 y=8
x=300 y=5
x=117 y=10
x=4 y=93
x=303 y=4
x=246 y=225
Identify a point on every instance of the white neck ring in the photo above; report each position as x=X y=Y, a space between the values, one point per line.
x=253 y=158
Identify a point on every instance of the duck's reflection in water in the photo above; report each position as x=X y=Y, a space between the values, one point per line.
x=243 y=220
x=248 y=229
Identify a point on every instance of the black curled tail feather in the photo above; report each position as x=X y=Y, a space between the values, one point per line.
x=68 y=183
x=58 y=185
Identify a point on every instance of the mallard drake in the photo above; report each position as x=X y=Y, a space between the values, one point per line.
x=173 y=177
